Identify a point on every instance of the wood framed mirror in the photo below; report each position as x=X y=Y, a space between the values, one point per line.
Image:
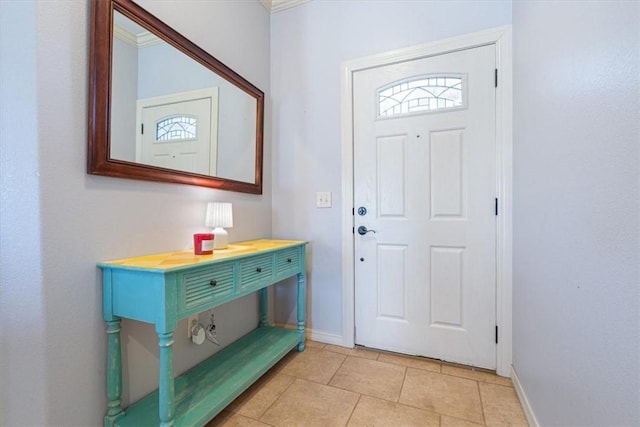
x=163 y=109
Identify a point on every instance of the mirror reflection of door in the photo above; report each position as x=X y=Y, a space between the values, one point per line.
x=179 y=131
x=145 y=66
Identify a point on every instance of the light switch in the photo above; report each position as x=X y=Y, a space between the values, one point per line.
x=323 y=199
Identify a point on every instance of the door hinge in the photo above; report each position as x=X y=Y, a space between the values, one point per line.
x=496 y=77
x=496 y=334
x=353 y=230
x=353 y=211
x=142 y=128
x=496 y=207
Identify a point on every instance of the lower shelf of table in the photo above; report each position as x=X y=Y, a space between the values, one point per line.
x=205 y=390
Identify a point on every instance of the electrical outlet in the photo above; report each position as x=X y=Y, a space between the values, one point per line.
x=190 y=320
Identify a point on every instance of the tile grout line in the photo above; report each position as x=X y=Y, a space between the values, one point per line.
x=279 y=395
x=334 y=374
x=439 y=362
x=365 y=394
x=472 y=379
x=440 y=415
x=354 y=409
x=353 y=355
x=404 y=378
x=484 y=418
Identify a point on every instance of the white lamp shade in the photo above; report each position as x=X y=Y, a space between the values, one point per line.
x=219 y=214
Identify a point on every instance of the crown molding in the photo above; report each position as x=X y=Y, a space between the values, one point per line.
x=125 y=35
x=147 y=39
x=141 y=40
x=274 y=6
x=266 y=4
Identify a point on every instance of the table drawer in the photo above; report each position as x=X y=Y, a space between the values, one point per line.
x=287 y=261
x=256 y=271
x=204 y=285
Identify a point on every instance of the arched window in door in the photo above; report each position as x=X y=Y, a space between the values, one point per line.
x=176 y=128
x=424 y=93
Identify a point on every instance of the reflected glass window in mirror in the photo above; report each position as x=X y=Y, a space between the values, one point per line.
x=425 y=93
x=177 y=128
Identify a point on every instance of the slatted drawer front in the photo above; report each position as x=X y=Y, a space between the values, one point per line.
x=201 y=286
x=287 y=260
x=256 y=271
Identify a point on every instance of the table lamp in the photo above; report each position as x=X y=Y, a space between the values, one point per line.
x=219 y=216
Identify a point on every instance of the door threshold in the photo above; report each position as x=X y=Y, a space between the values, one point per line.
x=428 y=359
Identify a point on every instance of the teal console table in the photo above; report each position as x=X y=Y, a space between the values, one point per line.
x=163 y=288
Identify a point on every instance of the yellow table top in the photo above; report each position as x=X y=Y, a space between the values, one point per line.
x=171 y=260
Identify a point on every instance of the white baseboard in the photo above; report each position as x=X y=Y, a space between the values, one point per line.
x=324 y=337
x=524 y=402
x=318 y=336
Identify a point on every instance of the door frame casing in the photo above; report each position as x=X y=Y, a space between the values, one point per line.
x=500 y=37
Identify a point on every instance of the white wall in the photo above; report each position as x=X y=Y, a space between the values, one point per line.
x=22 y=361
x=57 y=221
x=124 y=89
x=576 y=210
x=309 y=44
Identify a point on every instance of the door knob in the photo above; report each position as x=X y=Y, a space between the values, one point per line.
x=362 y=230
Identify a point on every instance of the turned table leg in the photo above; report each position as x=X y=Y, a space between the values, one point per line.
x=302 y=307
x=114 y=372
x=166 y=393
x=264 y=307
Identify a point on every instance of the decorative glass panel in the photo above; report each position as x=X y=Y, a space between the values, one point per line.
x=420 y=94
x=176 y=128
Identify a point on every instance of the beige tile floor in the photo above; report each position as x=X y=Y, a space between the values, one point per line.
x=327 y=385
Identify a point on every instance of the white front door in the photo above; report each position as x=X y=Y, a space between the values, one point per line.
x=425 y=178
x=179 y=131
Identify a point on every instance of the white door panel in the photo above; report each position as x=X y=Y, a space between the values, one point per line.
x=425 y=279
x=192 y=151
